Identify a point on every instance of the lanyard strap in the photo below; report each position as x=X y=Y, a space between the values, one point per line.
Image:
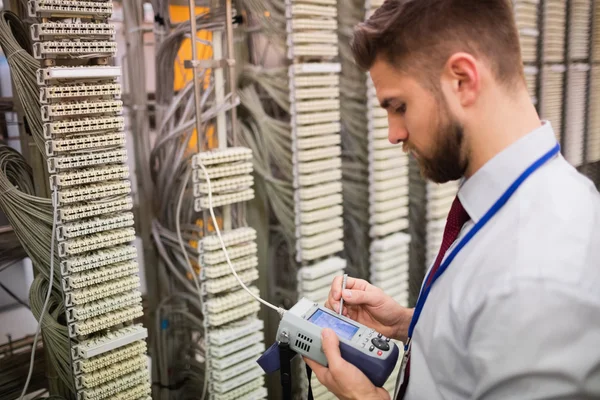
x=480 y=224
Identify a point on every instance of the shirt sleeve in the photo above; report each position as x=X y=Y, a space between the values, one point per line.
x=536 y=340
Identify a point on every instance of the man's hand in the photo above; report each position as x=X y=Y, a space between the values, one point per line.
x=370 y=306
x=342 y=378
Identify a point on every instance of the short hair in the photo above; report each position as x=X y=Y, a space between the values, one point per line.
x=418 y=37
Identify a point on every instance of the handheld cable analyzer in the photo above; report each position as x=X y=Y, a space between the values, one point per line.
x=371 y=352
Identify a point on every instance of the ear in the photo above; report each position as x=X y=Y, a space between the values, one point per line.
x=462 y=78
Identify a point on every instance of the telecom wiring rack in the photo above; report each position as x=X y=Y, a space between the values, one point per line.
x=83 y=128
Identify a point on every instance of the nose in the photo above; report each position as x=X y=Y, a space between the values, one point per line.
x=397 y=132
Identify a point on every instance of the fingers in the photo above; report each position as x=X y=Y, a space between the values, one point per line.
x=360 y=297
x=331 y=348
x=335 y=292
x=322 y=373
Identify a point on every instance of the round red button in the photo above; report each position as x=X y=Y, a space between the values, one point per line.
x=379 y=353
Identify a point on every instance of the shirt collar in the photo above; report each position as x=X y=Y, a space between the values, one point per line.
x=478 y=193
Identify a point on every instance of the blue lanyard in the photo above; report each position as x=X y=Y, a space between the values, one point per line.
x=480 y=224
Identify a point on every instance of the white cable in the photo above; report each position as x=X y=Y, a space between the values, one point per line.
x=48 y=294
x=279 y=310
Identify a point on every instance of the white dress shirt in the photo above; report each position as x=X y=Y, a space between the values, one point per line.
x=517 y=313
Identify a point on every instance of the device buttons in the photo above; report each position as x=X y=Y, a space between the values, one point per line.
x=379 y=353
x=379 y=335
x=380 y=344
x=371 y=348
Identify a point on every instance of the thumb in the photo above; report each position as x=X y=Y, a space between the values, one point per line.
x=360 y=297
x=331 y=347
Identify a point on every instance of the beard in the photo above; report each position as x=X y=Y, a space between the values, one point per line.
x=448 y=163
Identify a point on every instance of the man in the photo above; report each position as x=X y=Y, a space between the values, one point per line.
x=512 y=308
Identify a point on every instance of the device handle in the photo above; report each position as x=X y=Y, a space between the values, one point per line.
x=377 y=370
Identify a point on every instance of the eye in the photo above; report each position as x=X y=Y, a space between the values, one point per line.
x=402 y=109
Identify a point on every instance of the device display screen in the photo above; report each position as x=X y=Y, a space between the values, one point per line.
x=326 y=320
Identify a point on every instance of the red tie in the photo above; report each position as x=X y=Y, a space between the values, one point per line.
x=454 y=223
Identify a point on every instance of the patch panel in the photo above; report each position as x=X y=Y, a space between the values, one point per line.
x=319 y=190
x=81 y=108
x=323 y=251
x=317 y=154
x=317 y=105
x=314 y=37
x=105 y=321
x=90 y=349
x=217 y=305
x=316 y=118
x=320 y=215
x=218 y=257
x=312 y=10
x=220 y=285
x=387 y=205
x=96 y=292
x=318 y=129
x=230 y=334
x=380 y=218
x=306 y=24
x=398 y=268
x=379 y=266
x=223 y=349
x=93 y=192
x=321 y=202
x=111 y=372
x=70 y=8
x=320 y=165
x=221 y=156
x=74 y=49
x=230 y=238
x=310 y=242
x=386 y=195
x=252 y=351
x=85 y=366
x=219 y=270
x=322 y=226
x=53 y=75
x=96 y=241
x=82 y=30
x=203 y=203
x=232 y=371
x=66 y=145
x=317 y=93
x=99 y=275
x=62 y=92
x=93 y=124
x=389 y=228
x=72 y=213
x=320 y=177
x=103 y=306
x=398 y=254
x=237 y=183
x=319 y=141
x=89 y=175
x=83 y=127
x=252 y=390
x=322 y=268
x=250 y=308
x=55 y=164
x=315 y=284
x=135 y=383
x=252 y=374
x=223 y=171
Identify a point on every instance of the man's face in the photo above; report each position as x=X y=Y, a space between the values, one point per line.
x=422 y=123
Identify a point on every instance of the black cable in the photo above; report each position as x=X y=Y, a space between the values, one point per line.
x=11 y=294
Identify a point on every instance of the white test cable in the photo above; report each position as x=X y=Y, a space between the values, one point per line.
x=279 y=310
x=48 y=294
